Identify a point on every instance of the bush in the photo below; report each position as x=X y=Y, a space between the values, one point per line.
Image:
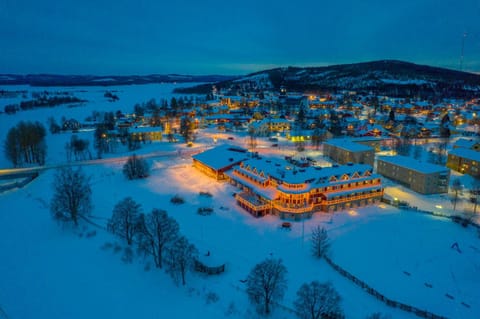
x=205 y=211
x=127 y=255
x=136 y=167
x=177 y=200
x=211 y=297
x=205 y=194
x=106 y=246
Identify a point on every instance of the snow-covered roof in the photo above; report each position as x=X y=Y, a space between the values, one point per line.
x=466 y=153
x=288 y=173
x=348 y=145
x=464 y=143
x=221 y=156
x=413 y=164
x=145 y=129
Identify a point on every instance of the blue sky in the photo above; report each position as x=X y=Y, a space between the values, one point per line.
x=226 y=37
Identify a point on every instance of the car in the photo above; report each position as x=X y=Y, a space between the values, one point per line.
x=231 y=138
x=275 y=145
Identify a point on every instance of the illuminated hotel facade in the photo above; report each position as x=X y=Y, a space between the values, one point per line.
x=270 y=186
x=275 y=186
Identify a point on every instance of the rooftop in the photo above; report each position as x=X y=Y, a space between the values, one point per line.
x=221 y=156
x=348 y=145
x=466 y=153
x=288 y=173
x=413 y=164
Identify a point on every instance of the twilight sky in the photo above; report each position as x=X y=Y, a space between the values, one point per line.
x=231 y=37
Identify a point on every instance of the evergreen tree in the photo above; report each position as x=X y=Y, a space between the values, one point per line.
x=186 y=129
x=335 y=124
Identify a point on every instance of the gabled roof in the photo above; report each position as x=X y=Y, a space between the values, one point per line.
x=221 y=156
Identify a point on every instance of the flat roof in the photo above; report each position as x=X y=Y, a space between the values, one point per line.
x=413 y=164
x=466 y=153
x=348 y=145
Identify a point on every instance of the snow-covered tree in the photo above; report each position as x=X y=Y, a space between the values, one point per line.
x=157 y=231
x=136 y=167
x=71 y=195
x=180 y=258
x=320 y=242
x=266 y=284
x=125 y=219
x=318 y=300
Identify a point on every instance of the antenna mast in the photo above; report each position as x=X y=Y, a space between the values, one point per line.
x=463 y=48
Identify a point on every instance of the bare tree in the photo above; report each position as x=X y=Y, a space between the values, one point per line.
x=252 y=139
x=266 y=284
x=456 y=188
x=180 y=257
x=318 y=300
x=157 y=231
x=136 y=167
x=72 y=195
x=474 y=192
x=320 y=242
x=125 y=218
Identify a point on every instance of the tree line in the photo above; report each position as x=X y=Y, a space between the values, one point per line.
x=25 y=144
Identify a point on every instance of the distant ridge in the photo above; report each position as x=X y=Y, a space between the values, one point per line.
x=385 y=77
x=107 y=80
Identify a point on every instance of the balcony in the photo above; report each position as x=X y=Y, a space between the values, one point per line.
x=352 y=198
x=252 y=202
x=293 y=209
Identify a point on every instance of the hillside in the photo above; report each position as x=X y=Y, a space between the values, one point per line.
x=389 y=77
x=94 y=80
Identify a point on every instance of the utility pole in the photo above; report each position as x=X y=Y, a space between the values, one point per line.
x=463 y=49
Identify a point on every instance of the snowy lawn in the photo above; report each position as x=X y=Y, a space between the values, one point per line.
x=409 y=257
x=50 y=271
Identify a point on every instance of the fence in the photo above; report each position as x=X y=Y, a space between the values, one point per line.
x=389 y=302
x=19 y=184
x=455 y=218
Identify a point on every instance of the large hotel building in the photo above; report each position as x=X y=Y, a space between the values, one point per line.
x=275 y=186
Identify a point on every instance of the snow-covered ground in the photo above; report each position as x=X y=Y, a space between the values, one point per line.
x=50 y=271
x=129 y=95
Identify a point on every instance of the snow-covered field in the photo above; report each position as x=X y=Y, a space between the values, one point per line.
x=129 y=95
x=50 y=271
